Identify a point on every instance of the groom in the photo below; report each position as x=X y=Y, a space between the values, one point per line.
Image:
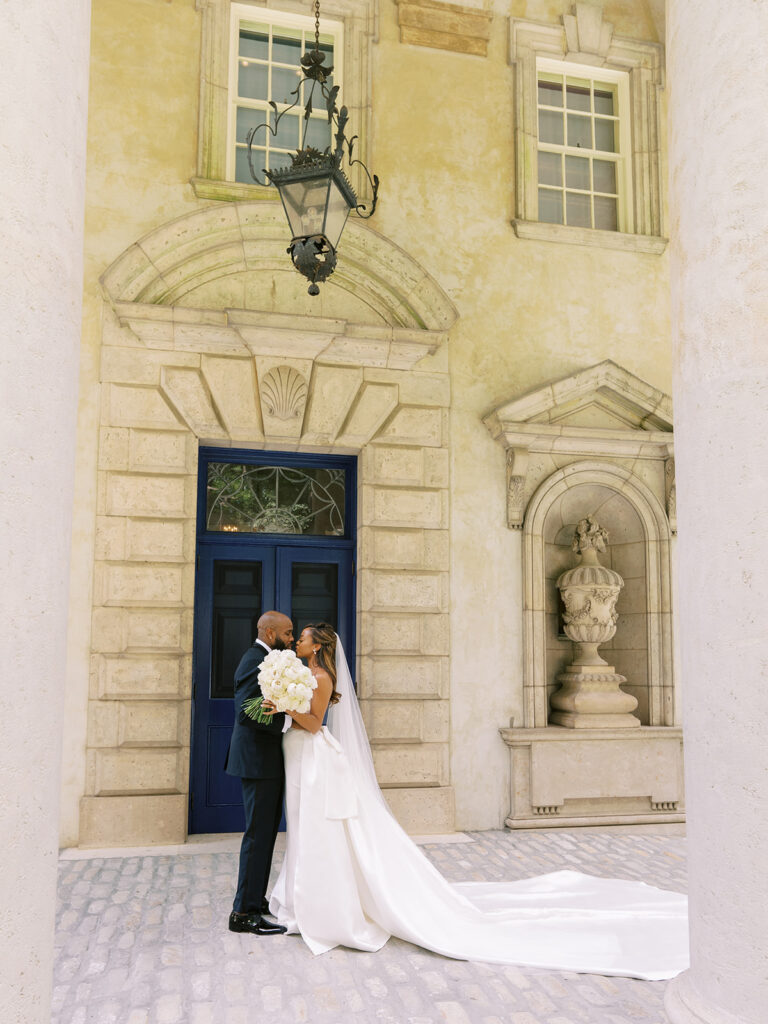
x=256 y=755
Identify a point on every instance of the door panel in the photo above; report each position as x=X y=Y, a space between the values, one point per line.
x=233 y=586
x=236 y=582
x=319 y=585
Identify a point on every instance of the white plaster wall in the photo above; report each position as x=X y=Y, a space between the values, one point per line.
x=718 y=157
x=43 y=97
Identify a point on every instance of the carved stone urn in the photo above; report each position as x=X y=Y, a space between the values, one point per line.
x=590 y=695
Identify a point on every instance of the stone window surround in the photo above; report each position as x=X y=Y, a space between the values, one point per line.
x=586 y=39
x=360 y=20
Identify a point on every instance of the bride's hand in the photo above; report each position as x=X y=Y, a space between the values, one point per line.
x=268 y=708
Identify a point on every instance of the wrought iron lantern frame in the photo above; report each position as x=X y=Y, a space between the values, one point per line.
x=314 y=255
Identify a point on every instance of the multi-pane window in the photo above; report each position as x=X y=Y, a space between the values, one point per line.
x=580 y=150
x=265 y=67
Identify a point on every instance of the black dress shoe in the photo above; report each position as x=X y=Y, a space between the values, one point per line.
x=255 y=924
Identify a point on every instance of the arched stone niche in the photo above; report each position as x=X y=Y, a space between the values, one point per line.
x=638 y=549
x=596 y=443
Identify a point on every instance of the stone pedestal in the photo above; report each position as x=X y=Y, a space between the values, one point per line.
x=43 y=90
x=718 y=151
x=606 y=776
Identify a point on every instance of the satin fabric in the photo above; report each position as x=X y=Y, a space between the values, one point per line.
x=352 y=877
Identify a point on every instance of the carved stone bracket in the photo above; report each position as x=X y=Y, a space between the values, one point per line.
x=517 y=470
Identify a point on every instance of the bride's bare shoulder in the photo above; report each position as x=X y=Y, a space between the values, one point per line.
x=322 y=677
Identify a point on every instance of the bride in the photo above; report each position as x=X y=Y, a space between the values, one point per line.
x=352 y=877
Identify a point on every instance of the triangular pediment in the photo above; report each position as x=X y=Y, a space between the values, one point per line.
x=584 y=411
x=604 y=395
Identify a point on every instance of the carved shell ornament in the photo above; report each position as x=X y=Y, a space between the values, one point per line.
x=284 y=393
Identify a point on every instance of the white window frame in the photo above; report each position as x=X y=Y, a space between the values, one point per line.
x=360 y=24
x=621 y=157
x=240 y=13
x=605 y=55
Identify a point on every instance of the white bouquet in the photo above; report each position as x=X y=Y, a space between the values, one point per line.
x=286 y=682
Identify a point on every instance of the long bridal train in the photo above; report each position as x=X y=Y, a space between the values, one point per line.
x=352 y=877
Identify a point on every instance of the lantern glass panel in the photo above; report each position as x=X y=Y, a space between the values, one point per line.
x=304 y=203
x=338 y=211
x=315 y=207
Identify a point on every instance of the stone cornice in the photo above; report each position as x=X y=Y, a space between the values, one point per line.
x=444 y=26
x=246 y=332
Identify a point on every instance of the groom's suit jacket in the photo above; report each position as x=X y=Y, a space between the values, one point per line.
x=255 y=750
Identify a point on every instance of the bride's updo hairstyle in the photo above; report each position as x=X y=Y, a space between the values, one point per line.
x=325 y=635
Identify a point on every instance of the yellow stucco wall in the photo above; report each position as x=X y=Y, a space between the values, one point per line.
x=529 y=311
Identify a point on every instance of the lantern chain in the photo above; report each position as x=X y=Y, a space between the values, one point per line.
x=317 y=25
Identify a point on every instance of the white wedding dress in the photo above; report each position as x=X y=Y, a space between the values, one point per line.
x=352 y=877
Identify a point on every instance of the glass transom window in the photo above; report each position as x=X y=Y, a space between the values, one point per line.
x=581 y=149
x=243 y=498
x=265 y=68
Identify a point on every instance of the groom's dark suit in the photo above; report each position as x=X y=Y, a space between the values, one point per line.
x=256 y=755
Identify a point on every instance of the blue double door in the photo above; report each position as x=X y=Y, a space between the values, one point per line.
x=309 y=578
x=235 y=584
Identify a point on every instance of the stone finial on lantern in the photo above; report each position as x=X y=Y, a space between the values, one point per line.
x=590 y=694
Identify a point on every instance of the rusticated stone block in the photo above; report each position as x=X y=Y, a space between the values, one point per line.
x=232 y=383
x=113 y=448
x=436 y=721
x=417 y=592
x=373 y=405
x=133 y=820
x=110 y=538
x=423 y=764
x=149 y=585
x=107 y=629
x=125 y=406
x=138 y=676
x=160 y=451
x=188 y=395
x=435 y=634
x=149 y=723
x=103 y=723
x=404 y=677
x=393 y=465
x=158 y=540
x=415 y=426
x=133 y=494
x=157 y=629
x=404 y=507
x=395 y=633
x=135 y=771
x=392 y=721
x=140 y=365
x=427 y=811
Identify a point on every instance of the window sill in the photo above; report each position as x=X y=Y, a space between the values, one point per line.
x=589 y=236
x=231 y=191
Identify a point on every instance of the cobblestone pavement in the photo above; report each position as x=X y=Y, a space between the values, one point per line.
x=143 y=940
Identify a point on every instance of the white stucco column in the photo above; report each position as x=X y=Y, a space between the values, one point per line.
x=44 y=46
x=718 y=143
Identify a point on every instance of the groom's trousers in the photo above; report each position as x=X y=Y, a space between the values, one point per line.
x=263 y=804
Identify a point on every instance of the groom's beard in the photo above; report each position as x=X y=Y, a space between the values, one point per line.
x=279 y=645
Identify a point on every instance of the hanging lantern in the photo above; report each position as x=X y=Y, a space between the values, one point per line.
x=316 y=195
